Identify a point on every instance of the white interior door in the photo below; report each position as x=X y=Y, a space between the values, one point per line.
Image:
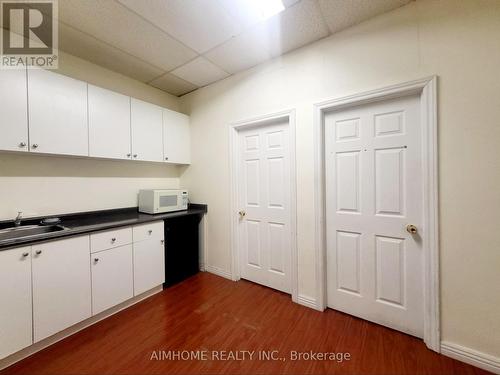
x=264 y=201
x=373 y=191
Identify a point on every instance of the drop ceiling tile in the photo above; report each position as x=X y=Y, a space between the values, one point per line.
x=173 y=84
x=87 y=47
x=242 y=52
x=116 y=25
x=200 y=72
x=294 y=27
x=340 y=14
x=200 y=24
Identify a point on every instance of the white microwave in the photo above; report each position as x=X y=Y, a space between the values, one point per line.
x=155 y=201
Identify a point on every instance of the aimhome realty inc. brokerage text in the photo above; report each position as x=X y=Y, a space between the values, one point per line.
x=247 y=355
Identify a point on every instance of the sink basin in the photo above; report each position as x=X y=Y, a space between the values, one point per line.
x=28 y=231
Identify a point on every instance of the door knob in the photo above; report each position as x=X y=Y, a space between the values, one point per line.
x=242 y=214
x=22 y=144
x=412 y=229
x=35 y=145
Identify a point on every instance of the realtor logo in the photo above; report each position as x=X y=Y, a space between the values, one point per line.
x=29 y=34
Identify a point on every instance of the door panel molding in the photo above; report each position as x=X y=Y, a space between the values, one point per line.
x=426 y=88
x=234 y=148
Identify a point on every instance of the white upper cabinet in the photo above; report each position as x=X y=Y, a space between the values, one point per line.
x=57 y=114
x=45 y=112
x=176 y=138
x=109 y=124
x=147 y=133
x=15 y=297
x=13 y=110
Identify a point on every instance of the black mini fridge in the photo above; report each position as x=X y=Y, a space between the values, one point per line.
x=181 y=248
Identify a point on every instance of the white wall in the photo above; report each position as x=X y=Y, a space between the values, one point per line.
x=457 y=40
x=43 y=185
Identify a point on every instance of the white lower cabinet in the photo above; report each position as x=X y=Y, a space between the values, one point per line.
x=112 y=278
x=149 y=257
x=15 y=300
x=52 y=286
x=61 y=285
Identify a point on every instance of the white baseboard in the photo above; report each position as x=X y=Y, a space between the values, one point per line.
x=36 y=347
x=472 y=357
x=218 y=271
x=308 y=302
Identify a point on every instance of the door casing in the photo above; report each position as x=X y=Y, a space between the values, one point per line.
x=426 y=88
x=234 y=128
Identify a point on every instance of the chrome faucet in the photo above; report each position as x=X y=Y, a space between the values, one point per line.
x=17 y=220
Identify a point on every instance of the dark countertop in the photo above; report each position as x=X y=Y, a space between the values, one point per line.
x=87 y=222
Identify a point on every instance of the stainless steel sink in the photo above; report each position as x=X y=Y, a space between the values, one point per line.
x=28 y=231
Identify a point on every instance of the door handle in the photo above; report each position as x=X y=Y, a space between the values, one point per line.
x=242 y=214
x=412 y=229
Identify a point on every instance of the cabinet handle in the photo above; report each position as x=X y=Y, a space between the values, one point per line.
x=166 y=158
x=162 y=242
x=22 y=144
x=35 y=145
x=25 y=255
x=113 y=239
x=135 y=155
x=150 y=232
x=128 y=155
x=96 y=260
x=38 y=252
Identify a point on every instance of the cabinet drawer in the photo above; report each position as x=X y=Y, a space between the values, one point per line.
x=148 y=231
x=110 y=239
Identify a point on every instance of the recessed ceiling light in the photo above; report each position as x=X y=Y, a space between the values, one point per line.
x=268 y=8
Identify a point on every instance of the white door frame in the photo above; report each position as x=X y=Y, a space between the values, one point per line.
x=426 y=88
x=234 y=128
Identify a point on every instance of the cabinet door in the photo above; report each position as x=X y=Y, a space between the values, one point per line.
x=147 y=133
x=109 y=124
x=149 y=265
x=112 y=278
x=57 y=114
x=176 y=138
x=61 y=285
x=15 y=297
x=14 y=110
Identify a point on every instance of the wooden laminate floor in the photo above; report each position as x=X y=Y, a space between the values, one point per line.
x=209 y=315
